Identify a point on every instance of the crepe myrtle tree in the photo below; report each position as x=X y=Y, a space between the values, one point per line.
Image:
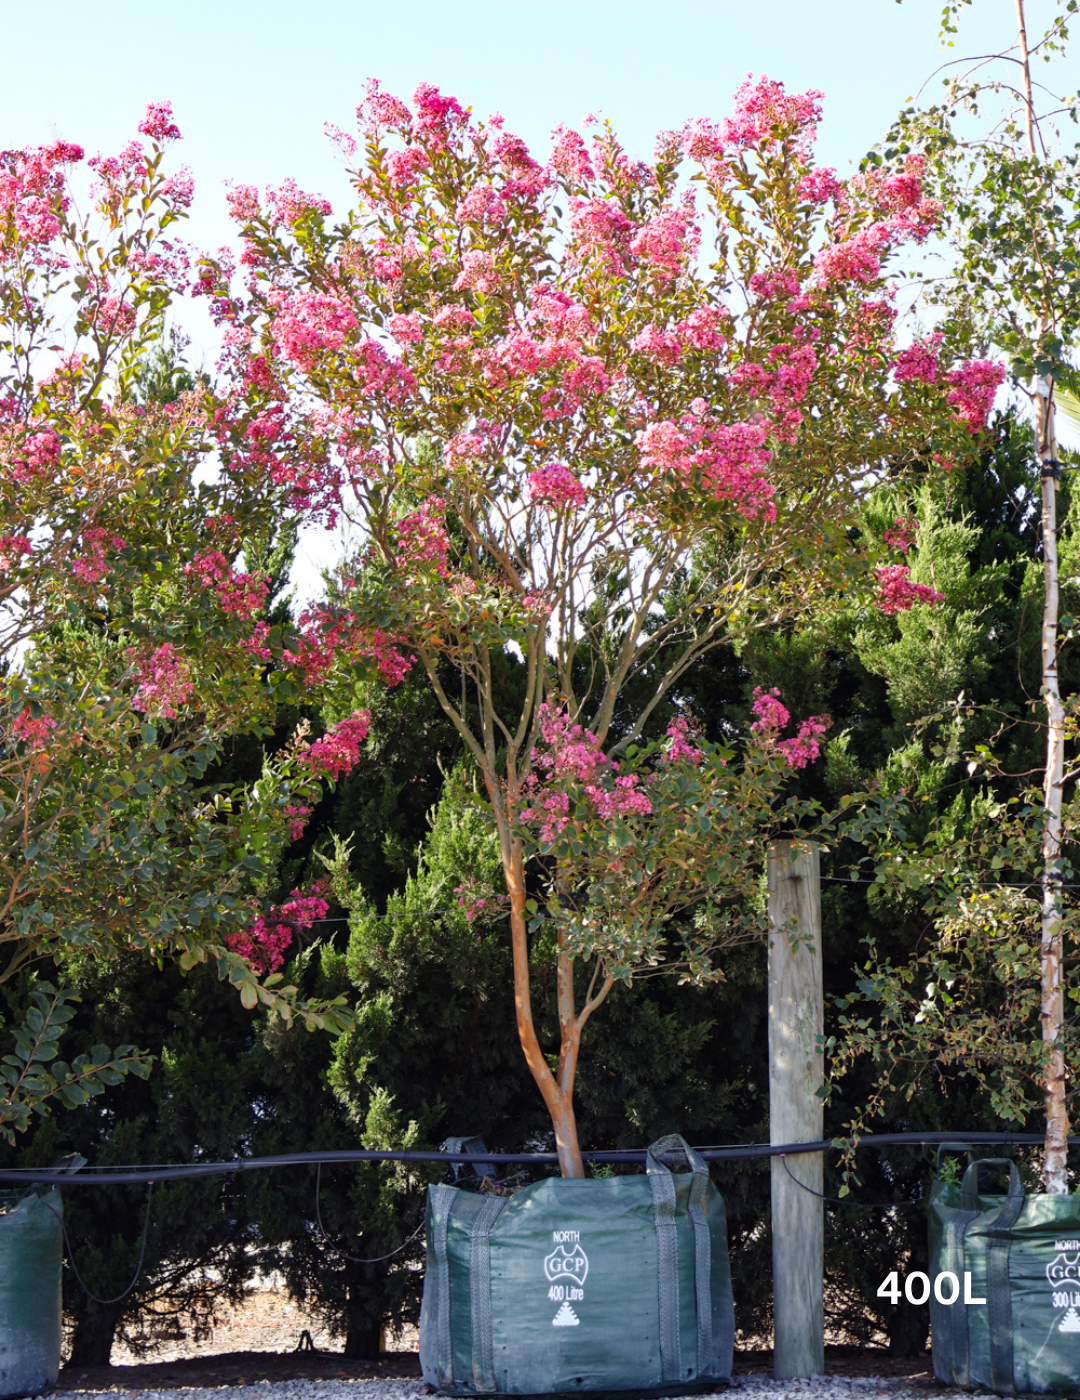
x=605 y=414
x=133 y=640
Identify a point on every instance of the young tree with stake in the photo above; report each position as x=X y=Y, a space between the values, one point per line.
x=1009 y=196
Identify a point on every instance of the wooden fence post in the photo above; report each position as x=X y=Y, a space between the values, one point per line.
x=796 y=1019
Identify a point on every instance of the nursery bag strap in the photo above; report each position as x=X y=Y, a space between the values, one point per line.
x=950 y=1325
x=667 y=1256
x=440 y=1203
x=483 y=1361
x=954 y=1149
x=999 y=1227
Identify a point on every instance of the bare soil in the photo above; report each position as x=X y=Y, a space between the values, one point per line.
x=268 y=1338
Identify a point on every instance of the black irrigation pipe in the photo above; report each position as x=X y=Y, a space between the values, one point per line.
x=139 y=1176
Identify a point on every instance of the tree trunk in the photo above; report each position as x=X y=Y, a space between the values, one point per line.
x=908 y=1326
x=363 y=1338
x=1053 y=995
x=1052 y=1014
x=95 y=1331
x=558 y=1094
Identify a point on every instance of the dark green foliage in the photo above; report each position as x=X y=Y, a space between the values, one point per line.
x=196 y=1103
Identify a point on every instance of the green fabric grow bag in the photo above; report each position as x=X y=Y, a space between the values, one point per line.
x=1023 y=1255
x=31 y=1254
x=579 y=1285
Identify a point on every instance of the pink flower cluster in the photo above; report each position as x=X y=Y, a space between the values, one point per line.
x=292 y=204
x=902 y=198
x=239 y=594
x=119 y=177
x=13 y=548
x=33 y=191
x=919 y=361
x=771 y=716
x=680 y=749
x=972 y=385
x=472 y=901
x=600 y=229
x=483 y=205
x=406 y=328
x=897 y=592
x=902 y=536
x=91 y=566
x=819 y=186
x=727 y=459
x=310 y=323
x=381 y=110
x=664 y=347
x=324 y=636
x=770 y=285
x=973 y=388
x=39 y=454
x=298 y=814
x=478 y=272
x=158 y=123
x=556 y=486
x=436 y=116
x=243 y=203
x=523 y=178
x=572 y=757
x=165 y=683
x=905 y=213
x=423 y=544
x=33 y=732
x=706 y=328
x=338 y=751
x=262 y=945
x=804 y=749
x=765 y=116
x=570 y=157
x=558 y=314
x=402 y=167
x=668 y=240
x=855 y=259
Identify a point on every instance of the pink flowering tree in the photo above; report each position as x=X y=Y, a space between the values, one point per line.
x=599 y=413
x=133 y=635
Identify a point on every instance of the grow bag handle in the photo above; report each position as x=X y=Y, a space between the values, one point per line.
x=1008 y=1212
x=997 y=1227
x=671 y=1144
x=954 y=1149
x=662 y=1182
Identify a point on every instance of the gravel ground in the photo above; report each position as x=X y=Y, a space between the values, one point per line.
x=748 y=1388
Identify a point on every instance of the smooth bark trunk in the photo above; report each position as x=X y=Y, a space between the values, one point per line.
x=1055 y=1152
x=556 y=1087
x=1052 y=1011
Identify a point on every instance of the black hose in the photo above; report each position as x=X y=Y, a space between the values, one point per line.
x=106 y=1302
x=140 y=1175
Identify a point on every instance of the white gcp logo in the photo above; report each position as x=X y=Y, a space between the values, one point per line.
x=566 y=1270
x=561 y=1265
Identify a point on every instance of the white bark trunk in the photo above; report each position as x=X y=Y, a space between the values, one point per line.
x=1053 y=995
x=1052 y=1015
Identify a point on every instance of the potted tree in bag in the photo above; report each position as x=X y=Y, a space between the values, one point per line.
x=581 y=451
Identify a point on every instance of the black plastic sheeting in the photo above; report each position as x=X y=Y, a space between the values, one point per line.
x=141 y=1174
